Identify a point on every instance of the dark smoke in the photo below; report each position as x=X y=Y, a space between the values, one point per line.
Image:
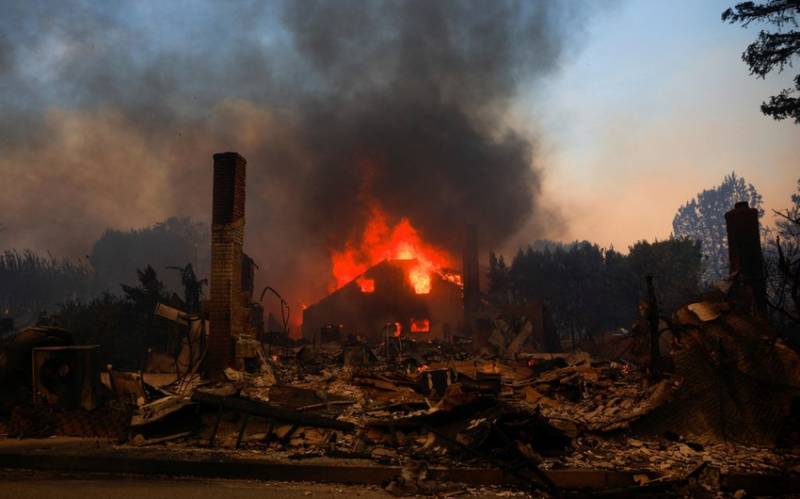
x=112 y=111
x=419 y=90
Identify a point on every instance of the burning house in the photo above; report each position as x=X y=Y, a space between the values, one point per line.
x=388 y=279
x=393 y=294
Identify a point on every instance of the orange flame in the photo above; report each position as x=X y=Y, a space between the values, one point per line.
x=366 y=285
x=383 y=241
x=420 y=278
x=420 y=325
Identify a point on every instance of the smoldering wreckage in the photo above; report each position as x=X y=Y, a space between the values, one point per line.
x=429 y=382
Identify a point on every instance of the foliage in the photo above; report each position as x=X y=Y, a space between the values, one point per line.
x=772 y=50
x=703 y=219
x=125 y=328
x=81 y=294
x=173 y=242
x=30 y=282
x=783 y=269
x=591 y=289
x=787 y=223
x=149 y=292
x=676 y=266
x=499 y=279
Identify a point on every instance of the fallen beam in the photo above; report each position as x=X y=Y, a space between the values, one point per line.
x=267 y=411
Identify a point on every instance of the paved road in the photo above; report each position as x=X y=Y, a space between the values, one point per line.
x=15 y=484
x=102 y=487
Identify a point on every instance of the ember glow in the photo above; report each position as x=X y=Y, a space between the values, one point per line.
x=380 y=241
x=366 y=285
x=420 y=325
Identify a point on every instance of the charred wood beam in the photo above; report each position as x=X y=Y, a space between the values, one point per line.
x=242 y=426
x=267 y=411
x=284 y=440
x=436 y=418
x=169 y=438
x=217 y=420
x=653 y=320
x=326 y=404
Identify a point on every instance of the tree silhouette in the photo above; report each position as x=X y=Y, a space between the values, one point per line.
x=772 y=50
x=788 y=222
x=175 y=241
x=783 y=269
x=149 y=292
x=593 y=290
x=499 y=279
x=676 y=264
x=703 y=219
x=31 y=282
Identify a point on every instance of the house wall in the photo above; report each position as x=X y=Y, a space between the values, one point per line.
x=393 y=300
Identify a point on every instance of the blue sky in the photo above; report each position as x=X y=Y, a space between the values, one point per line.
x=656 y=106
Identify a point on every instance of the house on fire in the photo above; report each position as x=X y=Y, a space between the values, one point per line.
x=383 y=295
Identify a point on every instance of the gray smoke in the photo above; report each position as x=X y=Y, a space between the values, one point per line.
x=112 y=111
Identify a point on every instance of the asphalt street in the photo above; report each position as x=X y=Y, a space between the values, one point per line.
x=16 y=484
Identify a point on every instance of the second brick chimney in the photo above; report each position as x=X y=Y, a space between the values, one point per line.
x=472 y=292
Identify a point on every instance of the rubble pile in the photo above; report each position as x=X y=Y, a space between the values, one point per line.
x=673 y=458
x=738 y=382
x=597 y=395
x=724 y=405
x=435 y=404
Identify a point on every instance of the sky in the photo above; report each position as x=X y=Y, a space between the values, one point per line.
x=656 y=107
x=628 y=109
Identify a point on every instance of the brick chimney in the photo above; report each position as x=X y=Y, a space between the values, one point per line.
x=744 y=253
x=472 y=292
x=226 y=313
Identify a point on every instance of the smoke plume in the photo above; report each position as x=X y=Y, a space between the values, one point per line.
x=111 y=112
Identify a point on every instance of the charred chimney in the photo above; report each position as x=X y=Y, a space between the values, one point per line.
x=226 y=311
x=744 y=253
x=472 y=293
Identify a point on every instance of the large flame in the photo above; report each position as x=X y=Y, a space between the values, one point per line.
x=382 y=241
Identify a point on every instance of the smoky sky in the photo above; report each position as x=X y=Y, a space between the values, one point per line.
x=112 y=110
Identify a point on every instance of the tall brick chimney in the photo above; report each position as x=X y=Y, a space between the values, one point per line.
x=744 y=253
x=472 y=292
x=227 y=238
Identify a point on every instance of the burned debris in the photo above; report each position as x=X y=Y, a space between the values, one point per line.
x=426 y=373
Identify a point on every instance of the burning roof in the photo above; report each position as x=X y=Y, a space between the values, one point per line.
x=381 y=240
x=393 y=291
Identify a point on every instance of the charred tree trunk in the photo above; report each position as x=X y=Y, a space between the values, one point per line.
x=652 y=321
